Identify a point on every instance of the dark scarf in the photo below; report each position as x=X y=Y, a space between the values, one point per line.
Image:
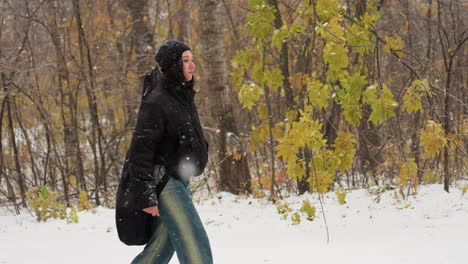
x=182 y=91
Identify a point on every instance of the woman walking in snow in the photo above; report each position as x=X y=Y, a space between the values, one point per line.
x=168 y=147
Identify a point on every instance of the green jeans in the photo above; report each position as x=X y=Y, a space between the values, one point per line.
x=178 y=229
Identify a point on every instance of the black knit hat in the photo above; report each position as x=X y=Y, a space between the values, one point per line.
x=169 y=53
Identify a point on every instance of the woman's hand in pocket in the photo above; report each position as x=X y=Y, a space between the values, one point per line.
x=153 y=210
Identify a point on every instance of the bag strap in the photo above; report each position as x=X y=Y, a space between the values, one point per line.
x=162 y=183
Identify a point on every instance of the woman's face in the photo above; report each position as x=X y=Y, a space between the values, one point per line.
x=188 y=65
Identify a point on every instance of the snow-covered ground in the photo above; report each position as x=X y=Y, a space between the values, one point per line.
x=429 y=228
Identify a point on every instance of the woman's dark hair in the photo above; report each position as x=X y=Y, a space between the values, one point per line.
x=175 y=74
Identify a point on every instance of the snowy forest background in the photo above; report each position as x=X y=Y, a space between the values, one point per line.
x=294 y=96
x=313 y=97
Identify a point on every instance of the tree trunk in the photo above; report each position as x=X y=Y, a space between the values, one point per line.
x=304 y=63
x=142 y=37
x=183 y=18
x=19 y=173
x=28 y=143
x=88 y=78
x=369 y=140
x=284 y=59
x=233 y=171
x=68 y=107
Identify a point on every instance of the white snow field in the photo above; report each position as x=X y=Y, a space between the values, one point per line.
x=429 y=228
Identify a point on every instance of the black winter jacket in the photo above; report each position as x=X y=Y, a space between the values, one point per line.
x=168 y=133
